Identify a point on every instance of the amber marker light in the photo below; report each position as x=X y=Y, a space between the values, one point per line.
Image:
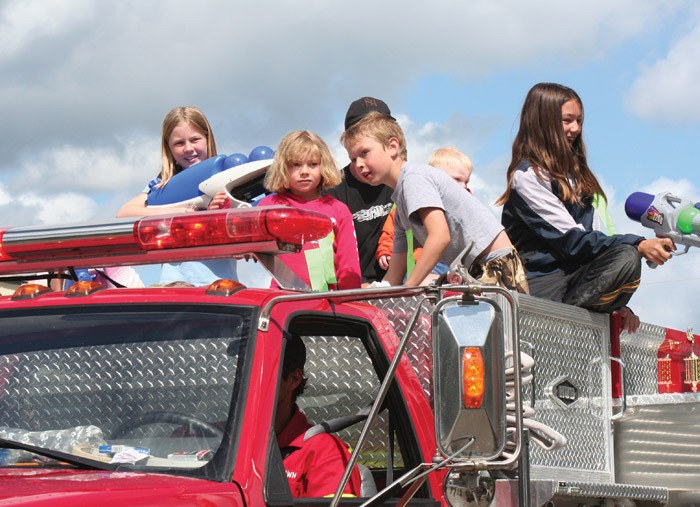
x=83 y=288
x=29 y=291
x=472 y=377
x=224 y=287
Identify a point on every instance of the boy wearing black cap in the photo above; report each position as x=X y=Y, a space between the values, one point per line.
x=368 y=204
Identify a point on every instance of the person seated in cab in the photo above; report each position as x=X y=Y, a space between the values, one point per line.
x=314 y=466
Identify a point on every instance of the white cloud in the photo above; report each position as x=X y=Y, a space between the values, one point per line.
x=62 y=208
x=74 y=183
x=668 y=89
x=92 y=70
x=23 y=22
x=5 y=197
x=682 y=188
x=126 y=164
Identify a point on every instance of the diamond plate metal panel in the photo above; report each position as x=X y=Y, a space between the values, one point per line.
x=565 y=342
x=419 y=348
x=639 y=353
x=657 y=439
x=573 y=344
x=109 y=384
x=331 y=394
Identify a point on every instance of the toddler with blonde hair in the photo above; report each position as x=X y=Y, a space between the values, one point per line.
x=302 y=168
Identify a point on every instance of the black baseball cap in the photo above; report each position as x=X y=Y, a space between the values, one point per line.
x=361 y=107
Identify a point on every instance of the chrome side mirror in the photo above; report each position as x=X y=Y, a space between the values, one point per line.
x=469 y=379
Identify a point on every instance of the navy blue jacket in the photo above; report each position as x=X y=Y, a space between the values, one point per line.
x=551 y=235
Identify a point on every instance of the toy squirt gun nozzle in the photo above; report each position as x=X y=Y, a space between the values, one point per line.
x=668 y=215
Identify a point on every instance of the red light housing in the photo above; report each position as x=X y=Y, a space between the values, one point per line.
x=473 y=382
x=285 y=225
x=3 y=257
x=156 y=239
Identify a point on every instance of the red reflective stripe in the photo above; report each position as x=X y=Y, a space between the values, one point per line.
x=3 y=255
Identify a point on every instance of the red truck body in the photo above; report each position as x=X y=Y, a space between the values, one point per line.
x=168 y=395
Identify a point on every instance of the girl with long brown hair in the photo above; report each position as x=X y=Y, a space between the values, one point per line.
x=550 y=217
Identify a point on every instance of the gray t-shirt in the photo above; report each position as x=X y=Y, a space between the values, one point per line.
x=422 y=186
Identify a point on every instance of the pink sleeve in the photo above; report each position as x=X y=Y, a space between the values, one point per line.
x=346 y=256
x=269 y=200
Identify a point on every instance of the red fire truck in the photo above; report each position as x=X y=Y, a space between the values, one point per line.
x=167 y=395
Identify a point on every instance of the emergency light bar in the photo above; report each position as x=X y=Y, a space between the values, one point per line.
x=162 y=238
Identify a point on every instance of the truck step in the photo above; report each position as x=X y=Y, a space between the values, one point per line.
x=580 y=494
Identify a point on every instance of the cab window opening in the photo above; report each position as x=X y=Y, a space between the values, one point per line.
x=332 y=346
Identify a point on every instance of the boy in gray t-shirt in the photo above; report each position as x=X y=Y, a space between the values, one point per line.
x=443 y=217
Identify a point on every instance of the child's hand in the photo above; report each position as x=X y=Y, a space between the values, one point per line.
x=219 y=201
x=384 y=261
x=379 y=283
x=630 y=322
x=246 y=257
x=180 y=209
x=656 y=250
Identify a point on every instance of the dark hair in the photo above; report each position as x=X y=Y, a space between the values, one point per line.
x=542 y=141
x=294 y=359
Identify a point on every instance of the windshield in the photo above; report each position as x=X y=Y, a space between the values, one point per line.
x=140 y=387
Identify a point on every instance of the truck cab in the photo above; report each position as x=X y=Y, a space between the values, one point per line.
x=168 y=395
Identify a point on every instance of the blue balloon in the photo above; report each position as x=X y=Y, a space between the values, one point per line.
x=261 y=153
x=185 y=184
x=235 y=159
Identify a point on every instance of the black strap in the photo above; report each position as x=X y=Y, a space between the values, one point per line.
x=110 y=280
x=337 y=424
x=286 y=451
x=25 y=278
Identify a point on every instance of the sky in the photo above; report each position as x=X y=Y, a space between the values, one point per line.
x=85 y=84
